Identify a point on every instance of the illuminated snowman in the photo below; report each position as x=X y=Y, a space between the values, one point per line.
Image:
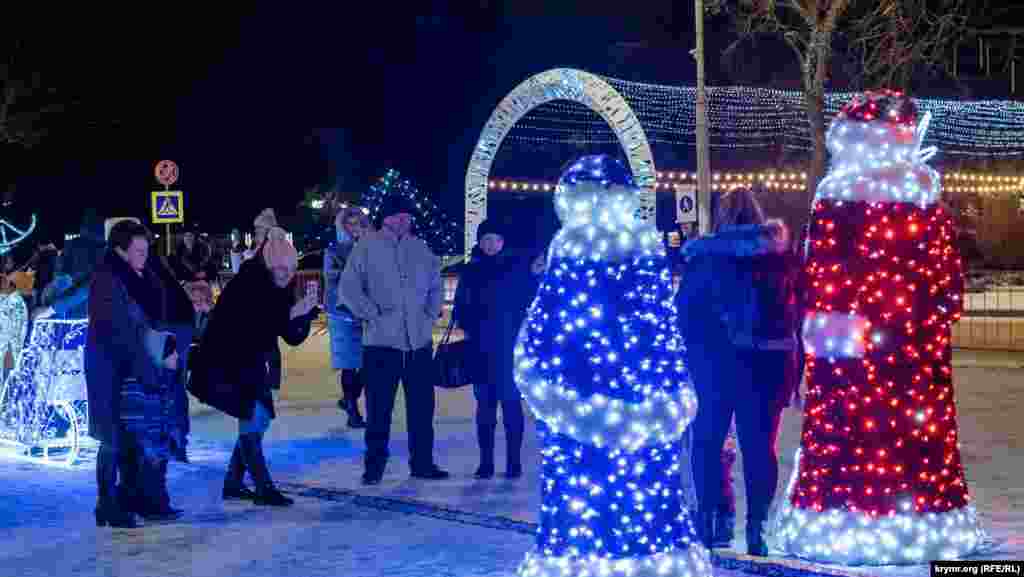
x=600 y=362
x=879 y=478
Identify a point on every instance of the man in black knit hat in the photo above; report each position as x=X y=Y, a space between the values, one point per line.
x=393 y=282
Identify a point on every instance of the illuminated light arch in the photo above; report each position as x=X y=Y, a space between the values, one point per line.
x=558 y=84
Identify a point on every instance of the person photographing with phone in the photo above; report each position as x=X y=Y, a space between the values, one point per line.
x=230 y=371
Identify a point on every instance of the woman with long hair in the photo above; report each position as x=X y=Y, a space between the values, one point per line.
x=738 y=312
x=345 y=329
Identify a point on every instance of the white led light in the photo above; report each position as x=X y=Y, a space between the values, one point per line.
x=590 y=314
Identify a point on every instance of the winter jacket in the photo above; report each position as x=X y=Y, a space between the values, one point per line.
x=176 y=318
x=490 y=304
x=742 y=284
x=122 y=343
x=230 y=370
x=744 y=278
x=395 y=286
x=75 y=267
x=335 y=256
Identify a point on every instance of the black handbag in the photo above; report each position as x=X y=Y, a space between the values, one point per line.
x=450 y=361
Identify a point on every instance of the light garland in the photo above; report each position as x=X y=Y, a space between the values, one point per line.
x=600 y=363
x=17 y=234
x=879 y=478
x=984 y=184
x=745 y=117
x=431 y=224
x=43 y=403
x=877 y=156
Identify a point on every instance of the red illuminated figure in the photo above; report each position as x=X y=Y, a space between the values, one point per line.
x=879 y=478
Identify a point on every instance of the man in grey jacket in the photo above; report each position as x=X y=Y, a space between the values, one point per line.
x=393 y=281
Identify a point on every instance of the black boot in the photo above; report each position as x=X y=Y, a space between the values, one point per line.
x=725 y=527
x=514 y=420
x=266 y=492
x=755 y=538
x=156 y=502
x=234 y=480
x=350 y=390
x=129 y=486
x=108 y=507
x=485 y=440
x=355 y=419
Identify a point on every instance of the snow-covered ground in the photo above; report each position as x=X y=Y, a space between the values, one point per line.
x=459 y=527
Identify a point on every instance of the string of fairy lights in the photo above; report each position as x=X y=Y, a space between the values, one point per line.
x=746 y=117
x=982 y=184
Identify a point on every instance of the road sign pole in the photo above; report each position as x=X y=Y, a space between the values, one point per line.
x=170 y=244
x=703 y=157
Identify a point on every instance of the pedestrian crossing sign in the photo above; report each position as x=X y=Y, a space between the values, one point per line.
x=168 y=206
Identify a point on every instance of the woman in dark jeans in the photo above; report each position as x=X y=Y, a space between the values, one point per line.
x=738 y=309
x=494 y=291
x=230 y=371
x=129 y=370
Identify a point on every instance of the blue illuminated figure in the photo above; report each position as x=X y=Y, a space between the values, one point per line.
x=600 y=362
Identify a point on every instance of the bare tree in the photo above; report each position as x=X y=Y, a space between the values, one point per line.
x=40 y=87
x=23 y=100
x=892 y=36
x=808 y=27
x=897 y=37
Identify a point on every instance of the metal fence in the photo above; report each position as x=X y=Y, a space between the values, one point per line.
x=993 y=319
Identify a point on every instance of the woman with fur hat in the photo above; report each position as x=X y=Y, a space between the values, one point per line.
x=495 y=288
x=265 y=226
x=264 y=222
x=231 y=372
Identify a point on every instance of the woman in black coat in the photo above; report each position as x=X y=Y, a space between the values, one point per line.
x=739 y=314
x=230 y=370
x=129 y=369
x=494 y=291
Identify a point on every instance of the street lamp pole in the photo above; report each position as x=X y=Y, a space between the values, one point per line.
x=703 y=158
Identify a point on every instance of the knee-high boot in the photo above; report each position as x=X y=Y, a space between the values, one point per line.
x=485 y=441
x=129 y=483
x=515 y=422
x=108 y=506
x=266 y=492
x=155 y=502
x=350 y=387
x=234 y=479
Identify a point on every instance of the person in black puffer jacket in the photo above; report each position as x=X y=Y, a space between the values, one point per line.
x=739 y=313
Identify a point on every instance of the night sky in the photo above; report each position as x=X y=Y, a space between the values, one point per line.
x=258 y=105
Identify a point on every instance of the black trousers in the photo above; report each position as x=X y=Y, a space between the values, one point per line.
x=750 y=385
x=512 y=418
x=382 y=369
x=142 y=483
x=351 y=384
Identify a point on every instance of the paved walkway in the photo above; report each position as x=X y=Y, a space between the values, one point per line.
x=406 y=528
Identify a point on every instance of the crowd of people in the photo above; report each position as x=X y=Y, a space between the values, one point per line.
x=154 y=332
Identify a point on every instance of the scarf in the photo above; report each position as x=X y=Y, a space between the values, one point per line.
x=146 y=290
